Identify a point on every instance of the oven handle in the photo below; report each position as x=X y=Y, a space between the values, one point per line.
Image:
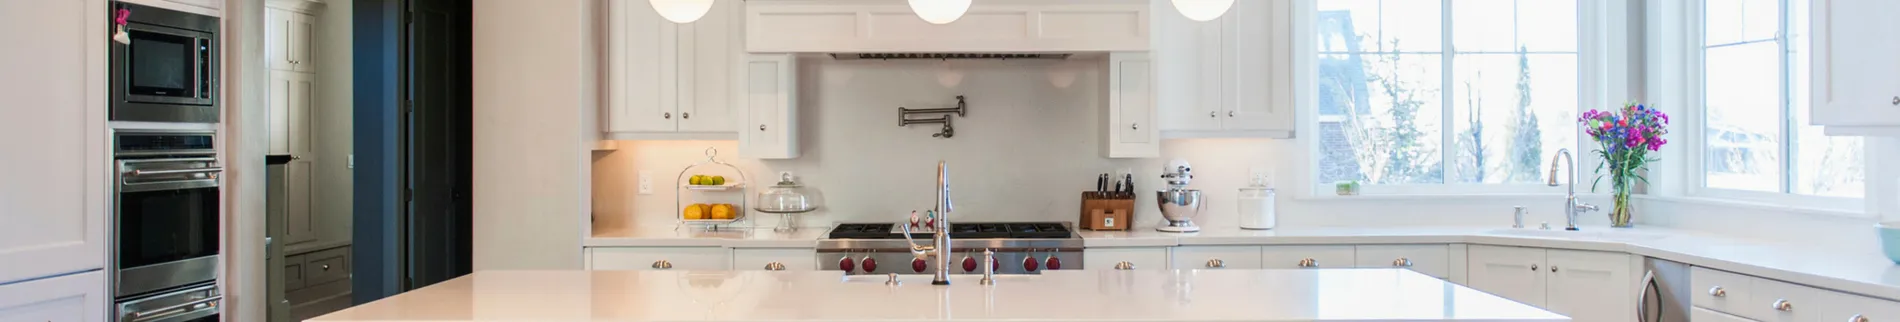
x=142 y=315
x=136 y=173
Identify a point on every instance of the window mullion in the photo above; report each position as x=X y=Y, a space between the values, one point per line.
x=1447 y=151
x=1790 y=160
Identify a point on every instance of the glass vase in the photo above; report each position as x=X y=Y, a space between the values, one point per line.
x=1620 y=213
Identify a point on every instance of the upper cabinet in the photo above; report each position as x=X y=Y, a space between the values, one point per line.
x=672 y=78
x=291 y=40
x=769 y=97
x=1129 y=130
x=1856 y=66
x=53 y=206
x=1229 y=77
x=781 y=26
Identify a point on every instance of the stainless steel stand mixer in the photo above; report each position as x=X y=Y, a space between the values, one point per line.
x=1179 y=205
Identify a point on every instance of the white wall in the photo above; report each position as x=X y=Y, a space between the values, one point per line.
x=334 y=109
x=1024 y=152
x=532 y=81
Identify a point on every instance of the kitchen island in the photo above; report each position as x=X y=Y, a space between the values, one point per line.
x=1107 y=295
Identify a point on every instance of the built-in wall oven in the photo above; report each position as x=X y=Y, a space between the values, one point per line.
x=167 y=71
x=164 y=212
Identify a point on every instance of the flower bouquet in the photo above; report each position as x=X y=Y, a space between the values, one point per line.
x=1625 y=138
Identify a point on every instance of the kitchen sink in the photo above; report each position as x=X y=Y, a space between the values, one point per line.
x=1598 y=234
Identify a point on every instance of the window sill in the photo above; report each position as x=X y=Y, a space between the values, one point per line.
x=1431 y=197
x=1720 y=202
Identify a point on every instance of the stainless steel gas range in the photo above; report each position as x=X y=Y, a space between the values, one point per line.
x=1021 y=248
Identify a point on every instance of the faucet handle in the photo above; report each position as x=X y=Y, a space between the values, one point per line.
x=1581 y=207
x=917 y=251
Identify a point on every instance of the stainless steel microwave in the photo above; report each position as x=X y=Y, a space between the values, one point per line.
x=168 y=72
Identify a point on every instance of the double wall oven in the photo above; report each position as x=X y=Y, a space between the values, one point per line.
x=168 y=70
x=164 y=259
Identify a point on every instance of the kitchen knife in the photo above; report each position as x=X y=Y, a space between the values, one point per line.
x=1101 y=183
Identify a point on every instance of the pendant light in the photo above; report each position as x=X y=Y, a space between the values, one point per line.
x=1203 y=10
x=939 y=11
x=681 y=11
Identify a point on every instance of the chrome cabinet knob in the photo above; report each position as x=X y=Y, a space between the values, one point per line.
x=1857 y=318
x=662 y=264
x=1533 y=267
x=761 y=127
x=1124 y=266
x=774 y=266
x=1230 y=113
x=1210 y=114
x=1309 y=263
x=1216 y=263
x=1896 y=101
x=685 y=115
x=1402 y=262
x=1134 y=126
x=1553 y=268
x=1784 y=306
x=1717 y=291
x=668 y=115
x=325 y=267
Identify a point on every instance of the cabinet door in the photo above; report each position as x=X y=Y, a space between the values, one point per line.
x=792 y=259
x=1590 y=286
x=302 y=114
x=1258 y=81
x=302 y=43
x=771 y=107
x=278 y=27
x=1187 y=58
x=1803 y=303
x=300 y=222
x=1856 y=63
x=71 y=298
x=1216 y=257
x=53 y=203
x=651 y=258
x=642 y=50
x=279 y=110
x=1842 y=307
x=1131 y=131
x=1107 y=258
x=1319 y=256
x=1705 y=315
x=710 y=49
x=1431 y=260
x=1515 y=273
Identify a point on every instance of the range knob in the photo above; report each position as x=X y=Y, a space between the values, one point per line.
x=847 y=264
x=996 y=265
x=1029 y=264
x=1053 y=263
x=870 y=264
x=917 y=265
x=969 y=264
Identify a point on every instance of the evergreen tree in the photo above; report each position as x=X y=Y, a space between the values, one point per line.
x=1527 y=145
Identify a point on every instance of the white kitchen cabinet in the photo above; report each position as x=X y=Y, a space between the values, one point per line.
x=672 y=78
x=291 y=39
x=292 y=113
x=1105 y=258
x=1585 y=285
x=1316 y=256
x=1720 y=291
x=790 y=259
x=1856 y=77
x=1130 y=131
x=990 y=26
x=769 y=99
x=1515 y=273
x=1845 y=307
x=1434 y=260
x=1767 y=302
x=1216 y=257
x=53 y=206
x=658 y=258
x=70 y=298
x=1227 y=77
x=1706 y=315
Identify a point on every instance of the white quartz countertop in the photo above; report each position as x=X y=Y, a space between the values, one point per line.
x=1107 y=295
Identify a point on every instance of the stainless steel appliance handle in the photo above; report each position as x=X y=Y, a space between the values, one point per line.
x=141 y=172
x=145 y=315
x=1642 y=296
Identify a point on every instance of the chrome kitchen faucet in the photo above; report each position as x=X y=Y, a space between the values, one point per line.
x=940 y=238
x=1571 y=205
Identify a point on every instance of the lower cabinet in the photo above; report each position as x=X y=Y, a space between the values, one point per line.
x=1705 y=315
x=1585 y=285
x=317 y=282
x=1216 y=257
x=658 y=258
x=1152 y=258
x=774 y=259
x=71 y=298
x=1310 y=256
x=1429 y=259
x=1726 y=296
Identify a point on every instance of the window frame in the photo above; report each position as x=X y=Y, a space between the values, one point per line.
x=1695 y=174
x=1595 y=20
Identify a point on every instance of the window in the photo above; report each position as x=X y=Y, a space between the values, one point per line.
x=1755 y=97
x=1429 y=93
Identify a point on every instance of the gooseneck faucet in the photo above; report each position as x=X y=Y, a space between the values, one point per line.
x=940 y=237
x=1571 y=205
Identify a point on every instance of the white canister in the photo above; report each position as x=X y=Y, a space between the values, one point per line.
x=1256 y=206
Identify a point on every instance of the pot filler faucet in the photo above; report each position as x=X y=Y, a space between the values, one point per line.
x=940 y=238
x=1571 y=205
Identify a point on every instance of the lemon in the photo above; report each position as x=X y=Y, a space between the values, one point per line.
x=722 y=211
x=695 y=180
x=717 y=180
x=694 y=212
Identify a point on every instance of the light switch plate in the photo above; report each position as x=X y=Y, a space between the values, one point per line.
x=352 y=161
x=646 y=182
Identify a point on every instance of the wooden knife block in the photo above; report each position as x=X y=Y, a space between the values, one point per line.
x=1107 y=211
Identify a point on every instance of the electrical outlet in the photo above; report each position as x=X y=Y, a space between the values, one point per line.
x=646 y=182
x=1262 y=175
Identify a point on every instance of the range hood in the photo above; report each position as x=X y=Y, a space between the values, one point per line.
x=993 y=29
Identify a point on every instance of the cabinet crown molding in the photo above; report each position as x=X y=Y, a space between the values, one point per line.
x=304 y=6
x=878 y=26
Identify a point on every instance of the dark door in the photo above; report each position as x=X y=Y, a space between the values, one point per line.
x=437 y=142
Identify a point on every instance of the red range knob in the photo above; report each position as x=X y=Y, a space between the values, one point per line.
x=846 y=264
x=1029 y=264
x=870 y=265
x=917 y=265
x=969 y=264
x=996 y=265
x=1053 y=263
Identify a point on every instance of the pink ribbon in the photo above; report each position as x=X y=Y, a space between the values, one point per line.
x=123 y=14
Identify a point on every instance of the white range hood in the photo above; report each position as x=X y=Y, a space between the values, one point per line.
x=990 y=26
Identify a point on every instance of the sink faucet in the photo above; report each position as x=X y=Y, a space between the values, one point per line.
x=940 y=237
x=1571 y=205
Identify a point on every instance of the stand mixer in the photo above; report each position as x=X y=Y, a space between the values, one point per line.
x=1179 y=205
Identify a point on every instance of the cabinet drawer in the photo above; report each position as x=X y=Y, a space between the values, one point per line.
x=1434 y=260
x=1322 y=256
x=1154 y=258
x=71 y=298
x=1803 y=303
x=1216 y=257
x=293 y=272
x=791 y=259
x=1845 y=307
x=648 y=258
x=326 y=266
x=1720 y=291
x=1705 y=315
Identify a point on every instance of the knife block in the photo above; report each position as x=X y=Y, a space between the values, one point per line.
x=1107 y=211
